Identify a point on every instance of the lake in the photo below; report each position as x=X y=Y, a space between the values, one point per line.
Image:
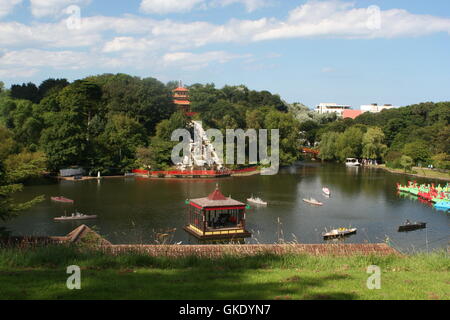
x=133 y=210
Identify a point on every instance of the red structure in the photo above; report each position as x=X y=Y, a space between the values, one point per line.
x=352 y=114
x=216 y=217
x=181 y=99
x=311 y=151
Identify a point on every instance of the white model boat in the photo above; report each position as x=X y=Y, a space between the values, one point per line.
x=326 y=191
x=313 y=202
x=257 y=201
x=352 y=162
x=75 y=216
x=339 y=233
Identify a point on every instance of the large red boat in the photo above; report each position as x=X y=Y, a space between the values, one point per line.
x=62 y=199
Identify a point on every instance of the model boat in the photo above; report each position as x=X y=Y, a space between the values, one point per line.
x=313 y=202
x=351 y=162
x=257 y=201
x=75 y=216
x=339 y=233
x=408 y=226
x=326 y=191
x=62 y=200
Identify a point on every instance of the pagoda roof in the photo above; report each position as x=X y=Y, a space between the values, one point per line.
x=184 y=102
x=217 y=199
x=181 y=89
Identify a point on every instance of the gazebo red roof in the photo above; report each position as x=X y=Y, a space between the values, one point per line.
x=217 y=200
x=216 y=195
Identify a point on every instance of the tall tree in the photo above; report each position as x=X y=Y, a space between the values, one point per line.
x=373 y=146
x=28 y=91
x=8 y=207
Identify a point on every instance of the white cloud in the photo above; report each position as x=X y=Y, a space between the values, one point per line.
x=44 y=8
x=7 y=6
x=145 y=43
x=342 y=20
x=169 y=6
x=189 y=60
x=67 y=60
x=18 y=73
x=250 y=5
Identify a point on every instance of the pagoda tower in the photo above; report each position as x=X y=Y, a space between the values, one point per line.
x=181 y=98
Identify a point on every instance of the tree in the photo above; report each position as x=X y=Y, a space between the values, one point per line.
x=309 y=129
x=122 y=136
x=289 y=135
x=9 y=208
x=27 y=91
x=159 y=154
x=64 y=139
x=349 y=143
x=165 y=128
x=51 y=86
x=83 y=98
x=25 y=165
x=373 y=147
x=7 y=143
x=406 y=162
x=418 y=150
x=329 y=146
x=441 y=161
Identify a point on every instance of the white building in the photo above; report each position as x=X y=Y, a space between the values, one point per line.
x=332 y=108
x=375 y=108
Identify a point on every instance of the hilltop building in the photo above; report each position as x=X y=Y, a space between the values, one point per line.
x=375 y=108
x=332 y=108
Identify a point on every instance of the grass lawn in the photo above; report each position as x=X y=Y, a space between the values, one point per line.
x=420 y=172
x=41 y=274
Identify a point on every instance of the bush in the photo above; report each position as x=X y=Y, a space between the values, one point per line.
x=441 y=161
x=393 y=160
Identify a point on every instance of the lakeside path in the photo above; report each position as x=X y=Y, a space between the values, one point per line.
x=421 y=172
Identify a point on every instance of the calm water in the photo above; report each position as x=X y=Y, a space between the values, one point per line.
x=132 y=210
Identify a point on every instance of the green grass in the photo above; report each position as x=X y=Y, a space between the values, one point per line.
x=40 y=273
x=420 y=172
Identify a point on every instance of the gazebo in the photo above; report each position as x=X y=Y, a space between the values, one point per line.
x=216 y=217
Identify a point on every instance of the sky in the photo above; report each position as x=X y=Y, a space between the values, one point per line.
x=348 y=52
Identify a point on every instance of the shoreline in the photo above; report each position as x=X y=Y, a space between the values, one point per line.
x=418 y=175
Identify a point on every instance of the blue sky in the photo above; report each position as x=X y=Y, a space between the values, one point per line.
x=349 y=52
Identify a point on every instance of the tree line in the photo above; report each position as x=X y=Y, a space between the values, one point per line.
x=115 y=122
x=414 y=135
